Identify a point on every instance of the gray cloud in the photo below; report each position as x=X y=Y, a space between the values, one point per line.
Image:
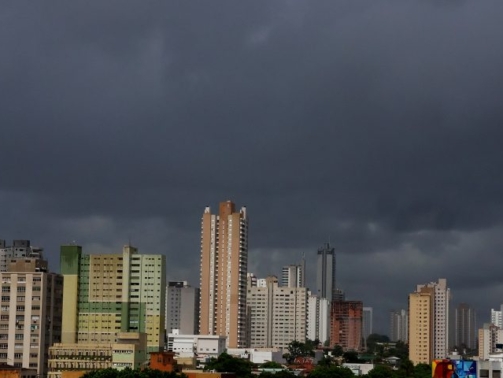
x=374 y=124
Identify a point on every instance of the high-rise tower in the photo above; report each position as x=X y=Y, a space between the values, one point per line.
x=224 y=263
x=325 y=273
x=106 y=294
x=465 y=332
x=429 y=322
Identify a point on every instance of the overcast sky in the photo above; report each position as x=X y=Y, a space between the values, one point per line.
x=376 y=124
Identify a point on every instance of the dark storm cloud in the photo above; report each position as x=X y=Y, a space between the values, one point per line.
x=375 y=124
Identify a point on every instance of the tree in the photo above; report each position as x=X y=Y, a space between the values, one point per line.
x=337 y=351
x=271 y=365
x=297 y=349
x=407 y=367
x=129 y=373
x=351 y=356
x=375 y=338
x=228 y=363
x=278 y=374
x=381 y=371
x=422 y=371
x=325 y=361
x=330 y=372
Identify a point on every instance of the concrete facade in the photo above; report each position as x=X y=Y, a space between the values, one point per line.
x=30 y=311
x=182 y=308
x=277 y=315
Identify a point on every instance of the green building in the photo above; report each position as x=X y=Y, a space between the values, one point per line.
x=107 y=294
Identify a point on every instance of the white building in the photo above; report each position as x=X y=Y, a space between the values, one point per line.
x=200 y=346
x=318 y=318
x=399 y=326
x=496 y=317
x=182 y=308
x=294 y=275
x=276 y=315
x=259 y=355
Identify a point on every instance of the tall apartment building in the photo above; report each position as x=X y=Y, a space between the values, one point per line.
x=465 y=331
x=325 y=273
x=367 y=325
x=496 y=317
x=224 y=262
x=318 y=318
x=421 y=326
x=108 y=294
x=30 y=309
x=490 y=340
x=182 y=308
x=346 y=324
x=294 y=275
x=277 y=314
x=436 y=325
x=399 y=326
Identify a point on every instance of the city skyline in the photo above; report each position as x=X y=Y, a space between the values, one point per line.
x=341 y=121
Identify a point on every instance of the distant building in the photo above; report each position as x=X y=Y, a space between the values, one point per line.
x=31 y=308
x=19 y=249
x=399 y=326
x=277 y=315
x=367 y=326
x=224 y=262
x=465 y=323
x=325 y=273
x=294 y=275
x=182 y=308
x=105 y=294
x=346 y=324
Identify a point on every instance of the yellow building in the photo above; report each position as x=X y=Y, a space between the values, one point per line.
x=421 y=326
x=105 y=294
x=128 y=352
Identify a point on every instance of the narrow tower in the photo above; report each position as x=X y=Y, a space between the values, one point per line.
x=224 y=262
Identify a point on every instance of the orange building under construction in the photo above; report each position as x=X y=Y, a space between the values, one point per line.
x=346 y=324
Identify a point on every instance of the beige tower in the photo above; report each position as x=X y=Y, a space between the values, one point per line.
x=224 y=261
x=421 y=326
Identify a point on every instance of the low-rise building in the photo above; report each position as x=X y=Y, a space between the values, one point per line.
x=201 y=346
x=130 y=351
